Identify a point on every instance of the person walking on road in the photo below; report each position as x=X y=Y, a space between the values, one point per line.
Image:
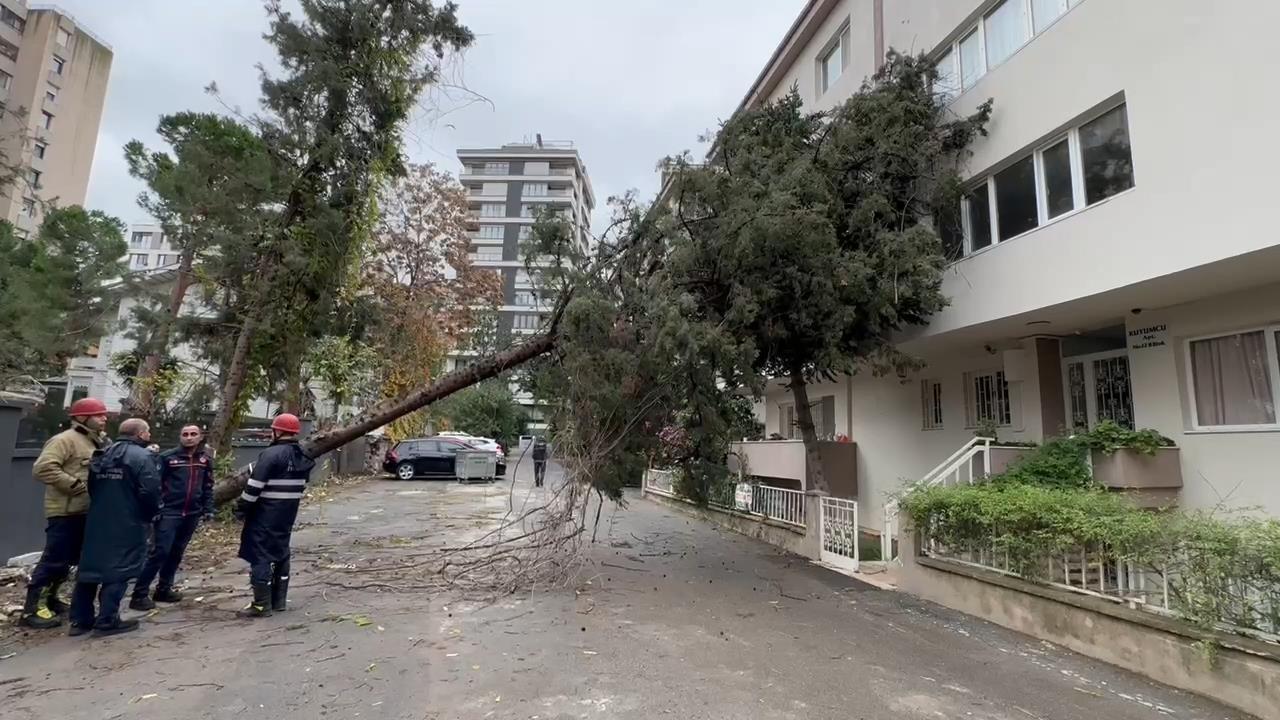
x=269 y=507
x=539 y=461
x=63 y=466
x=124 y=487
x=186 y=477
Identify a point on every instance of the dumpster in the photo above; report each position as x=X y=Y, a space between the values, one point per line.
x=476 y=466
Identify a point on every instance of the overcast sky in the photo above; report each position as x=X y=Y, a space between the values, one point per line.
x=629 y=81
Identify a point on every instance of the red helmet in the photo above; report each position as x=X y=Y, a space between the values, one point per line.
x=287 y=423
x=87 y=407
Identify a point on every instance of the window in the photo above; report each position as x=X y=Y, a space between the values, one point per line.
x=40 y=149
x=494 y=189
x=537 y=168
x=972 y=64
x=526 y=322
x=64 y=37
x=137 y=261
x=823 y=412
x=51 y=95
x=493 y=210
x=1016 y=198
x=535 y=189
x=1106 y=156
x=497 y=168
x=29 y=207
x=59 y=64
x=1091 y=163
x=526 y=232
x=987 y=399
x=832 y=61
x=140 y=240
x=948 y=83
x=979 y=209
x=525 y=298
x=1234 y=379
x=12 y=19
x=487 y=253
x=490 y=232
x=6 y=80
x=1005 y=30
x=531 y=210
x=931 y=404
x=167 y=260
x=1044 y=12
x=8 y=50
x=47 y=119
x=34 y=177
x=1055 y=163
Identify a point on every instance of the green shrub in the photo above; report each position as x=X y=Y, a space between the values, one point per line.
x=1064 y=462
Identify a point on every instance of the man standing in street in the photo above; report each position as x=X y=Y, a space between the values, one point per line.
x=124 y=486
x=539 y=461
x=63 y=466
x=186 y=478
x=269 y=507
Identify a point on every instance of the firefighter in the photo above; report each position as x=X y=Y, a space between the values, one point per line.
x=269 y=506
x=124 y=483
x=63 y=466
x=186 y=475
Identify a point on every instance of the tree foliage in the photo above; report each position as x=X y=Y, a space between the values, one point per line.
x=57 y=289
x=805 y=235
x=485 y=410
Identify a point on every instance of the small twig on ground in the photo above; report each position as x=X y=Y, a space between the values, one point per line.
x=208 y=684
x=281 y=644
x=624 y=567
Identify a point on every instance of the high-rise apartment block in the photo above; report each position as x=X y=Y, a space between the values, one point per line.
x=53 y=84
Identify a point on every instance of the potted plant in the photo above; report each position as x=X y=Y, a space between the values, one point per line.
x=1126 y=459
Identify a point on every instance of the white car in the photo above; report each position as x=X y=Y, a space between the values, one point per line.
x=484 y=443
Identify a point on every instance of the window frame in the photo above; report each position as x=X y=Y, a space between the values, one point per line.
x=40 y=149
x=6 y=80
x=47 y=119
x=13 y=19
x=839 y=43
x=932 y=406
x=1273 y=369
x=1013 y=399
x=57 y=37
x=485 y=207
x=59 y=64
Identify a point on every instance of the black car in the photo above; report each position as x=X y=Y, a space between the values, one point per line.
x=431 y=457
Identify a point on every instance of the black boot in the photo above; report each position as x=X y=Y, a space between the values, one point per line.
x=52 y=601
x=141 y=603
x=261 y=605
x=167 y=595
x=115 y=627
x=279 y=591
x=34 y=616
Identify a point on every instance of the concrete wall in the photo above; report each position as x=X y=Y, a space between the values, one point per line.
x=1246 y=675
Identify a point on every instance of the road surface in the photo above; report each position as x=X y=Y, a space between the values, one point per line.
x=672 y=618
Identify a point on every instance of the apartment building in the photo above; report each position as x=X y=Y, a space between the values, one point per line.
x=149 y=248
x=507 y=188
x=1118 y=257
x=53 y=84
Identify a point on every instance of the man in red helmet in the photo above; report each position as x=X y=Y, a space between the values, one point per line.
x=269 y=507
x=63 y=466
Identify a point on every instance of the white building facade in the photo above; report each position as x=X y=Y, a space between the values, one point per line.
x=1118 y=259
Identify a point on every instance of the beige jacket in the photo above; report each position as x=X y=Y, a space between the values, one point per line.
x=63 y=466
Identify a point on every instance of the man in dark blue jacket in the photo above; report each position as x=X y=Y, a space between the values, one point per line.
x=269 y=507
x=124 y=492
x=186 y=474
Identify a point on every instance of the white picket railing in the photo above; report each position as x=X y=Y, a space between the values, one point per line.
x=659 y=481
x=954 y=470
x=778 y=504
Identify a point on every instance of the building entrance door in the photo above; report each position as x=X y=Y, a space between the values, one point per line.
x=1098 y=389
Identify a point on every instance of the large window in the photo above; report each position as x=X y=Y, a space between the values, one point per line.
x=487 y=253
x=137 y=261
x=59 y=64
x=987 y=399
x=140 y=240
x=931 y=404
x=996 y=37
x=9 y=50
x=493 y=209
x=490 y=232
x=526 y=322
x=1069 y=172
x=832 y=61
x=1106 y=156
x=1234 y=379
x=12 y=19
x=535 y=189
x=497 y=168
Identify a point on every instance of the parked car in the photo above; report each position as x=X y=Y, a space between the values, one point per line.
x=484 y=443
x=431 y=457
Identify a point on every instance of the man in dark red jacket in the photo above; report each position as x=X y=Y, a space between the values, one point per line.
x=187 y=479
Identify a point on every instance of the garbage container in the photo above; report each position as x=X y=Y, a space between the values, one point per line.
x=476 y=466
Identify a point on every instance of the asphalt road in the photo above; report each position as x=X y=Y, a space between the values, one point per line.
x=671 y=618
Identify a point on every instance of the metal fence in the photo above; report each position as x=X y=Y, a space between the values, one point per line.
x=1161 y=587
x=778 y=504
x=763 y=501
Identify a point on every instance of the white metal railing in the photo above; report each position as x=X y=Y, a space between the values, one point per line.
x=1154 y=586
x=956 y=468
x=778 y=504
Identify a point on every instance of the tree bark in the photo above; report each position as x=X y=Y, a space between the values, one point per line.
x=391 y=409
x=220 y=432
x=142 y=396
x=815 y=479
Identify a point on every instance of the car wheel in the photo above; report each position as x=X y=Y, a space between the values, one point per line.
x=404 y=471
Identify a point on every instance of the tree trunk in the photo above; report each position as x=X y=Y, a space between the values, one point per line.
x=815 y=479
x=293 y=387
x=391 y=409
x=142 y=396
x=220 y=432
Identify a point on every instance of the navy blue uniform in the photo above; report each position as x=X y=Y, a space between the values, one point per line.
x=270 y=505
x=124 y=492
x=187 y=481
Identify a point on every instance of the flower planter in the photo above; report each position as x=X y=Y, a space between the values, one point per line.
x=1002 y=456
x=1131 y=470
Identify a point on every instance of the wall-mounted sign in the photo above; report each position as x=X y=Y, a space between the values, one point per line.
x=1151 y=336
x=742 y=495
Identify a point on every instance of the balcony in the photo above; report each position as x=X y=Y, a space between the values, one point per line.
x=784 y=463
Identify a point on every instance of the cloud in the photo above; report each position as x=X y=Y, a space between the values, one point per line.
x=628 y=82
